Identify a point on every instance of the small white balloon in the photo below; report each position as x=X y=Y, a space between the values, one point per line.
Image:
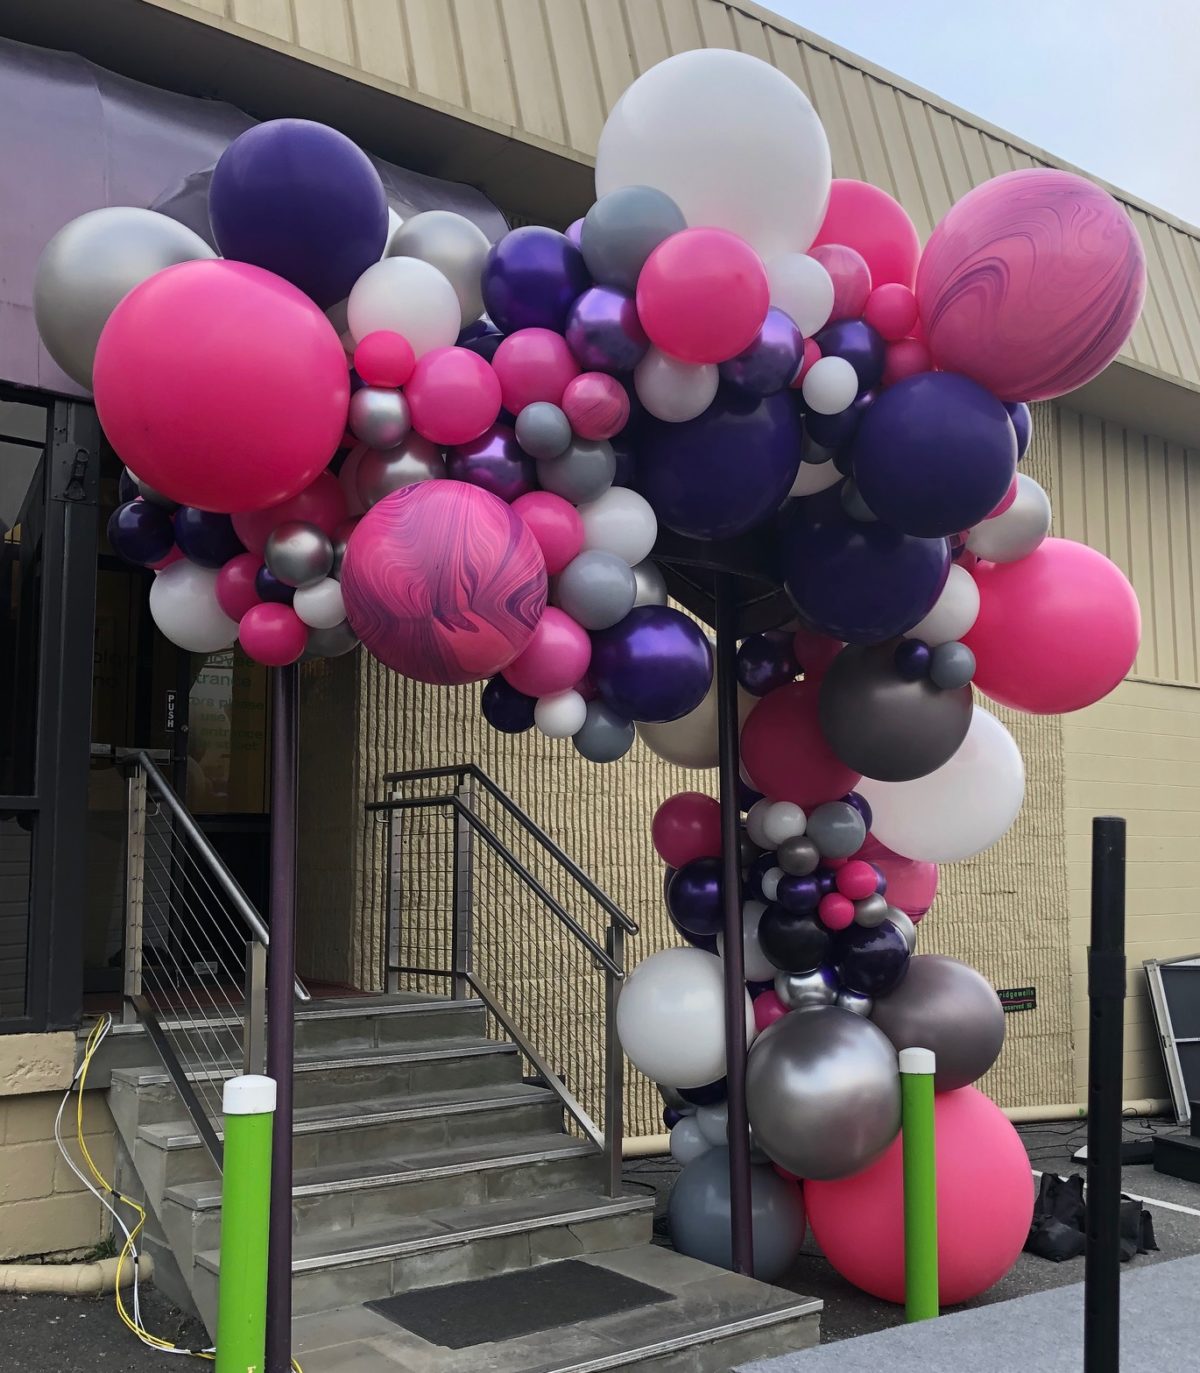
x=713 y=1124
x=756 y=823
x=687 y=1141
x=408 y=297
x=783 y=820
x=1021 y=528
x=561 y=715
x=802 y=288
x=673 y=390
x=813 y=477
x=770 y=883
x=953 y=613
x=620 y=522
x=755 y=964
x=184 y=606
x=320 y=605
x=829 y=385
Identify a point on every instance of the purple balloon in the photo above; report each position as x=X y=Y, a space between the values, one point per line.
x=494 y=461
x=747 y=795
x=303 y=201
x=826 y=880
x=800 y=895
x=140 y=533
x=1022 y=423
x=270 y=588
x=766 y=661
x=604 y=331
x=860 y=804
x=575 y=230
x=481 y=337
x=832 y=431
x=531 y=279
x=505 y=708
x=709 y=1095
x=626 y=474
x=912 y=659
x=727 y=470
x=671 y=1117
x=871 y=961
x=859 y=344
x=655 y=664
x=127 y=487
x=205 y=537
x=772 y=360
x=695 y=899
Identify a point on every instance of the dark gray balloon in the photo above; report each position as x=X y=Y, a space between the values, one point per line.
x=341 y=537
x=945 y=1006
x=379 y=416
x=651 y=584
x=298 y=553
x=596 y=589
x=858 y=1003
x=883 y=726
x=604 y=736
x=837 y=829
x=951 y=666
x=543 y=430
x=382 y=471
x=823 y=1092
x=585 y=471
x=798 y=856
x=804 y=991
x=622 y=229
x=331 y=643
x=871 y=910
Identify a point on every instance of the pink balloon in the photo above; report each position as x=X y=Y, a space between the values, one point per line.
x=984 y=1206
x=857 y=880
x=905 y=358
x=767 y=1010
x=554 y=523
x=812 y=353
x=272 y=634
x=891 y=310
x=911 y=885
x=221 y=385
x=453 y=396
x=876 y=226
x=1031 y=284
x=815 y=652
x=533 y=364
x=1056 y=631
x=686 y=826
x=384 y=358
x=322 y=502
x=836 y=911
x=236 y=592
x=702 y=295
x=556 y=657
x=784 y=749
x=851 y=279
x=596 y=404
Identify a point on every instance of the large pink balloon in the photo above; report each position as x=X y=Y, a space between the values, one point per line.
x=322 y=502
x=911 y=884
x=1031 y=284
x=784 y=750
x=874 y=224
x=1056 y=631
x=984 y=1205
x=221 y=385
x=443 y=583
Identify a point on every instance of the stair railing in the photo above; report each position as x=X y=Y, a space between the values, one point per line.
x=481 y=899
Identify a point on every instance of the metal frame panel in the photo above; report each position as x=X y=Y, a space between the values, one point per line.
x=1166 y=1032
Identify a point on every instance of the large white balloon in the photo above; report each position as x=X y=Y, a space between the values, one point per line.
x=408 y=297
x=691 y=741
x=620 y=522
x=183 y=604
x=673 y=390
x=732 y=140
x=954 y=611
x=802 y=288
x=671 y=1018
x=959 y=809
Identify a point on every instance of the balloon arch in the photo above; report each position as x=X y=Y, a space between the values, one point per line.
x=474 y=458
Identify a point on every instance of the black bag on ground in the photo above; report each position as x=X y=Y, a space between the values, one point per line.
x=1056 y=1232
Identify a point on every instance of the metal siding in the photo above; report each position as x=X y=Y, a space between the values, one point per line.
x=325 y=28
x=381 y=39
x=483 y=43
x=539 y=106
x=272 y=17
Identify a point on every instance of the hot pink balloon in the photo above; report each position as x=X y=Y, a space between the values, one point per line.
x=236 y=592
x=272 y=634
x=891 y=310
x=686 y=826
x=384 y=358
x=875 y=225
x=1056 y=631
x=322 y=502
x=554 y=523
x=596 y=404
x=221 y=385
x=905 y=358
x=835 y=911
x=767 y=1010
x=1031 y=284
x=702 y=295
x=555 y=658
x=857 y=880
x=453 y=396
x=911 y=885
x=851 y=279
x=533 y=364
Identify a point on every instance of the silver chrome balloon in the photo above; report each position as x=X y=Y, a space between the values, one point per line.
x=455 y=246
x=904 y=923
x=379 y=416
x=651 y=584
x=331 y=643
x=543 y=430
x=341 y=537
x=596 y=589
x=382 y=471
x=871 y=910
x=858 y=1003
x=298 y=553
x=806 y=991
x=798 y=856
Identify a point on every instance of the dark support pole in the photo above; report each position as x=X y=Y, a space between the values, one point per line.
x=281 y=975
x=1106 y=1026
x=735 y=978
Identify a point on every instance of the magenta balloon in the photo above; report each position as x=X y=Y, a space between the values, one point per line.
x=911 y=885
x=443 y=583
x=1031 y=284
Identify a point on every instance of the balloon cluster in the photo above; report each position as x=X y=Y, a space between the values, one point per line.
x=461 y=453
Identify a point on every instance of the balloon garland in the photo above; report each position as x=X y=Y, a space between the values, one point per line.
x=461 y=454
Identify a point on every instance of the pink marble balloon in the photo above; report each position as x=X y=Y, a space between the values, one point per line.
x=1031 y=284
x=596 y=404
x=443 y=583
x=851 y=278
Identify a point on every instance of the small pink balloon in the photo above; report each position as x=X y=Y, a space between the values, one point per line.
x=767 y=1010
x=236 y=592
x=857 y=880
x=891 y=310
x=322 y=502
x=533 y=364
x=554 y=523
x=1006 y=500
x=554 y=659
x=851 y=279
x=453 y=396
x=836 y=911
x=384 y=358
x=812 y=353
x=172 y=557
x=596 y=404
x=876 y=226
x=905 y=358
x=272 y=634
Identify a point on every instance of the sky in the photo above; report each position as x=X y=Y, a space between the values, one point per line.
x=1112 y=86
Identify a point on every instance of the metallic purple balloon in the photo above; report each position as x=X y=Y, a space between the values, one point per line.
x=860 y=804
x=912 y=659
x=531 y=278
x=694 y=898
x=140 y=533
x=270 y=588
x=206 y=537
x=859 y=344
x=871 y=960
x=653 y=665
x=800 y=895
x=575 y=230
x=604 y=332
x=766 y=661
x=772 y=360
x=494 y=461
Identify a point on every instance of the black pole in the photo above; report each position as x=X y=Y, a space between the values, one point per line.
x=1106 y=1032
x=735 y=977
x=281 y=975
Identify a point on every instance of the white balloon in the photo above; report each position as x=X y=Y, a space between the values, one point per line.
x=673 y=390
x=691 y=741
x=671 y=1017
x=813 y=477
x=732 y=140
x=320 y=605
x=687 y=1142
x=783 y=820
x=802 y=288
x=408 y=297
x=756 y=823
x=184 y=606
x=620 y=522
x=456 y=246
x=560 y=715
x=954 y=611
x=713 y=1123
x=755 y=964
x=829 y=385
x=1019 y=530
x=770 y=882
x=959 y=809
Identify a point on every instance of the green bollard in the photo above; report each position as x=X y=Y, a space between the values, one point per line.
x=249 y=1108
x=920 y=1185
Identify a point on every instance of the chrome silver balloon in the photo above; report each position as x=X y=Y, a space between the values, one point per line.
x=651 y=584
x=341 y=537
x=454 y=245
x=298 y=553
x=855 y=1002
x=379 y=416
x=806 y=991
x=798 y=856
x=905 y=925
x=382 y=471
x=871 y=910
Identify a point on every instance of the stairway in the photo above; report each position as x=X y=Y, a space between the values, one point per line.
x=421 y=1159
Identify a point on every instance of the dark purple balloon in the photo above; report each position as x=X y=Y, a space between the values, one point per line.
x=862 y=583
x=477 y=329
x=826 y=880
x=711 y=1094
x=766 y=661
x=727 y=470
x=694 y=898
x=801 y=895
x=832 y=431
x=270 y=588
x=871 y=960
x=531 y=279
x=496 y=462
x=880 y=880
x=755 y=872
x=860 y=804
x=140 y=533
x=935 y=454
x=655 y=664
x=668 y=873
x=671 y=1117
x=747 y=795
x=505 y=708
x=206 y=537
x=303 y=201
x=1022 y=423
x=859 y=344
x=604 y=332
x=771 y=361
x=756 y=989
x=912 y=660
x=485 y=342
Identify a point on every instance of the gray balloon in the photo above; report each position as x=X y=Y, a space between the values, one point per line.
x=543 y=430
x=805 y=991
x=699 y=1210
x=883 y=726
x=585 y=471
x=604 y=735
x=823 y=1092
x=1019 y=530
x=945 y=1006
x=905 y=924
x=871 y=910
x=331 y=643
x=651 y=584
x=596 y=589
x=951 y=666
x=455 y=246
x=622 y=229
x=857 y=1003
x=837 y=829
x=298 y=553
x=798 y=856
x=382 y=471
x=341 y=537
x=379 y=417
x=89 y=265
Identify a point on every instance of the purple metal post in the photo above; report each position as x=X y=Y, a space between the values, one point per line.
x=735 y=975
x=281 y=979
